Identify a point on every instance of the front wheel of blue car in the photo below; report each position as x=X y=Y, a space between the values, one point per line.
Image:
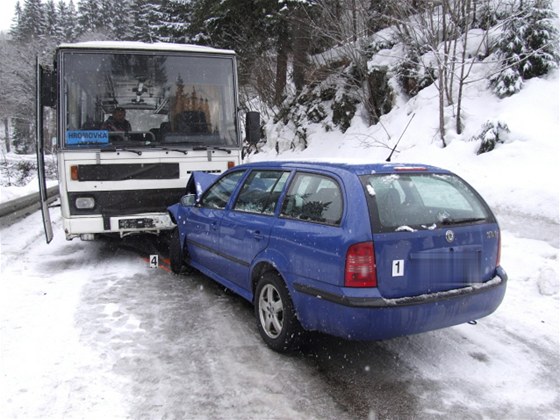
x=276 y=317
x=176 y=256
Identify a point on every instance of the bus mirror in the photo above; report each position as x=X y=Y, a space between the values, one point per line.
x=48 y=87
x=253 y=127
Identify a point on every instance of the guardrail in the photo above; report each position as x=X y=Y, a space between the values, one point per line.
x=22 y=206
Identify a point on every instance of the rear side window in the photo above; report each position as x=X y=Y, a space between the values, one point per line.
x=261 y=191
x=313 y=197
x=218 y=194
x=422 y=201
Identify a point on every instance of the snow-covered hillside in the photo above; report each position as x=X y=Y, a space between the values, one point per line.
x=521 y=175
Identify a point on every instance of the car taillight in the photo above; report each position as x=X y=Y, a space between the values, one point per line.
x=360 y=266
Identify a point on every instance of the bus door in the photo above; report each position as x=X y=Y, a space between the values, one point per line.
x=45 y=95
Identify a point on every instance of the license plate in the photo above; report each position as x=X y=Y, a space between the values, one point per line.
x=136 y=223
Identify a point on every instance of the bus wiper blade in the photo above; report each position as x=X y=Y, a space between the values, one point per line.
x=228 y=151
x=449 y=221
x=175 y=150
x=121 y=149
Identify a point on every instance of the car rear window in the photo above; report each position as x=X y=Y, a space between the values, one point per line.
x=422 y=201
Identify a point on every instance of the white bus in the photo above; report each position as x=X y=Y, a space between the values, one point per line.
x=118 y=177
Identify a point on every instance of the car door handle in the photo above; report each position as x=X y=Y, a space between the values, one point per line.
x=256 y=234
x=214 y=226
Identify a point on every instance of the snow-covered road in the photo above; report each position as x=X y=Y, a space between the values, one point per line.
x=88 y=330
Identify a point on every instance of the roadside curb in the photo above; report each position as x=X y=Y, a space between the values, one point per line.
x=21 y=203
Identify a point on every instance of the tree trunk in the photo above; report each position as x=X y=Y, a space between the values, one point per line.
x=7 y=134
x=281 y=66
x=299 y=47
x=462 y=77
x=354 y=22
x=441 y=91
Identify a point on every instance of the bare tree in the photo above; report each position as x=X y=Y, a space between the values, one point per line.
x=423 y=33
x=440 y=35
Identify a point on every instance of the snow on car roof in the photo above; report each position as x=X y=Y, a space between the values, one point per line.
x=135 y=45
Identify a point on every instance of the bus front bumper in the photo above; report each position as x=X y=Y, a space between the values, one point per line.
x=86 y=227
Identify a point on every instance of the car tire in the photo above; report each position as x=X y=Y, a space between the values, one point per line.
x=176 y=256
x=276 y=318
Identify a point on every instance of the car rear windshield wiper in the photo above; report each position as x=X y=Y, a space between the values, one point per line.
x=450 y=221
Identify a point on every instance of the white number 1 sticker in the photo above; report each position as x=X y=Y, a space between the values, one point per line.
x=398 y=268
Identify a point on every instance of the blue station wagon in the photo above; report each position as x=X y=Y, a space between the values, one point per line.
x=359 y=251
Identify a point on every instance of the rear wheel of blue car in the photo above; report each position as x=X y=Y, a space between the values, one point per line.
x=276 y=317
x=176 y=257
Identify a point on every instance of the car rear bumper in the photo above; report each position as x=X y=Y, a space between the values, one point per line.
x=376 y=318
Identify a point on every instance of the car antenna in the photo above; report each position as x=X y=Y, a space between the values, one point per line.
x=397 y=143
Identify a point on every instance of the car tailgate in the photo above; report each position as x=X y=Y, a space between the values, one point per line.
x=428 y=261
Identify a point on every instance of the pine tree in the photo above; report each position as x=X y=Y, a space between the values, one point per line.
x=16 y=28
x=510 y=50
x=541 y=41
x=175 y=18
x=32 y=22
x=89 y=16
x=69 y=21
x=51 y=19
x=145 y=15
x=62 y=17
x=122 y=21
x=528 y=47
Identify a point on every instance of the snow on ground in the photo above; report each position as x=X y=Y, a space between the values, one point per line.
x=88 y=331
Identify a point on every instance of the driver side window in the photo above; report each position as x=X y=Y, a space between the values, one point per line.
x=218 y=194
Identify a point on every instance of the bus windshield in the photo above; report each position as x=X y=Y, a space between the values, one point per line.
x=147 y=99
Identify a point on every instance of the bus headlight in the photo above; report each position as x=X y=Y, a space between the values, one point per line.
x=85 y=203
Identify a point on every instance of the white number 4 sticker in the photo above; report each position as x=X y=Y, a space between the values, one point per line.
x=154 y=261
x=398 y=268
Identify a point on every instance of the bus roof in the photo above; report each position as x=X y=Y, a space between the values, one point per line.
x=143 y=46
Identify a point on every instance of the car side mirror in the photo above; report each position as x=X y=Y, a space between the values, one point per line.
x=188 y=200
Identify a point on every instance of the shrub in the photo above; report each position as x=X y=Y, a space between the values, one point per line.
x=527 y=48
x=492 y=133
x=344 y=110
